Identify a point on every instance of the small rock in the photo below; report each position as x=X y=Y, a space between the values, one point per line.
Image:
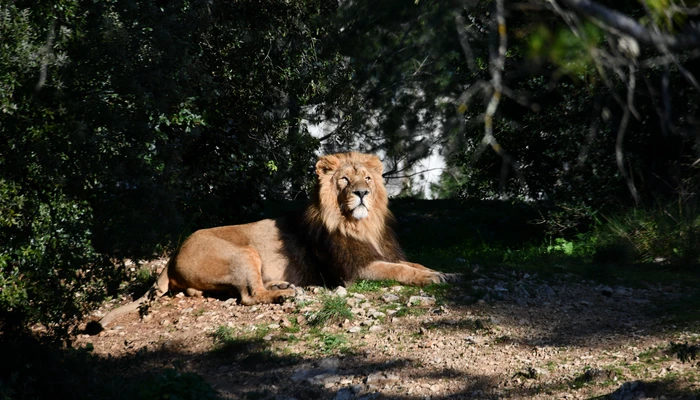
x=421 y=301
x=353 y=302
x=605 y=291
x=340 y=291
x=307 y=374
x=474 y=340
x=381 y=378
x=326 y=380
x=547 y=291
x=285 y=323
x=375 y=328
x=230 y=302
x=299 y=291
x=376 y=314
x=267 y=338
x=273 y=326
x=354 y=329
x=329 y=363
x=359 y=296
x=390 y=297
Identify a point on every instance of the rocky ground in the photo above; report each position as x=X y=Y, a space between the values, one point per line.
x=499 y=334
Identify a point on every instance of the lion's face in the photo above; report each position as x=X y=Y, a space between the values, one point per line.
x=355 y=183
x=355 y=187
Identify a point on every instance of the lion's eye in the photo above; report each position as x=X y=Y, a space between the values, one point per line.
x=345 y=178
x=367 y=178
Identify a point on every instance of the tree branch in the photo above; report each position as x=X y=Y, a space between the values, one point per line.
x=689 y=39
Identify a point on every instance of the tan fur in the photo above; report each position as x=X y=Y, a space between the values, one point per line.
x=341 y=236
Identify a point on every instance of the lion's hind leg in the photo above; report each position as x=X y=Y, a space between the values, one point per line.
x=247 y=278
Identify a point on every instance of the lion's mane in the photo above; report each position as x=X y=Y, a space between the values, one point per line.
x=334 y=246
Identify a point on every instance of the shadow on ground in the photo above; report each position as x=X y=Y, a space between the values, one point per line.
x=241 y=370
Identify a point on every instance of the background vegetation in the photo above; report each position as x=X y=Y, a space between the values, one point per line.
x=126 y=125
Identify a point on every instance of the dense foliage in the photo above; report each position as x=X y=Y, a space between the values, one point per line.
x=127 y=124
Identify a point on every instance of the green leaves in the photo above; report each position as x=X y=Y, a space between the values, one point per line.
x=571 y=51
x=149 y=123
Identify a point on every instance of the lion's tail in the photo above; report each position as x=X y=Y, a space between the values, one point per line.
x=159 y=288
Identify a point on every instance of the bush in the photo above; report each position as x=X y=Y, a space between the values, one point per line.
x=51 y=273
x=122 y=134
x=668 y=234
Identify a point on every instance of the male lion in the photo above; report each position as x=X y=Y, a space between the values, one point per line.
x=341 y=236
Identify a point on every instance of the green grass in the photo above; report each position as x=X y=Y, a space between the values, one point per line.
x=334 y=309
x=144 y=275
x=332 y=343
x=454 y=237
x=365 y=286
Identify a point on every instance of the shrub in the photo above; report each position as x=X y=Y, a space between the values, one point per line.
x=667 y=234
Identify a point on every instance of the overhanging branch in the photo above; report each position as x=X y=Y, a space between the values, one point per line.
x=689 y=39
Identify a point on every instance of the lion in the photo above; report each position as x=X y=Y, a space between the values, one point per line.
x=343 y=235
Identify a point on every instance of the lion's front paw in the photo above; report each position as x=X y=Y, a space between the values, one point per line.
x=279 y=296
x=442 y=277
x=452 y=277
x=279 y=285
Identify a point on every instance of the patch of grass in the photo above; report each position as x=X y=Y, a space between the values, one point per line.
x=299 y=303
x=224 y=333
x=365 y=286
x=229 y=337
x=414 y=311
x=649 y=356
x=551 y=366
x=334 y=309
x=333 y=343
x=199 y=312
x=144 y=275
x=438 y=290
x=295 y=326
x=684 y=351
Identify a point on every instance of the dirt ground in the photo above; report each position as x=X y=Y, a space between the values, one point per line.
x=498 y=334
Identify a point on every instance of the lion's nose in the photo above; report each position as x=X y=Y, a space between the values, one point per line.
x=361 y=193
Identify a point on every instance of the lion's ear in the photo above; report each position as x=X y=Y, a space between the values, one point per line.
x=375 y=164
x=327 y=165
